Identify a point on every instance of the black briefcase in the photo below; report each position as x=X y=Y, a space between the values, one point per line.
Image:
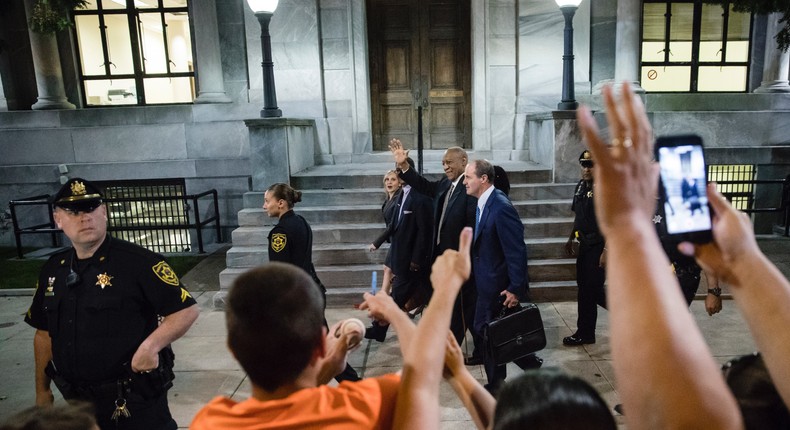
x=516 y=333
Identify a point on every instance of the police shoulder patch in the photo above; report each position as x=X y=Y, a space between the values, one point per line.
x=165 y=273
x=279 y=240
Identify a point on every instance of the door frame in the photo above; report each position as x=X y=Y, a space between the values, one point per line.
x=362 y=112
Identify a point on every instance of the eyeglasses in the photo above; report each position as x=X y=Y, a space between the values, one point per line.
x=586 y=163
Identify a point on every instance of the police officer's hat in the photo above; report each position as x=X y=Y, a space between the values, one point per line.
x=78 y=194
x=585 y=159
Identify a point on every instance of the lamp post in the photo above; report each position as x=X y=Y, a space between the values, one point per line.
x=568 y=8
x=264 y=9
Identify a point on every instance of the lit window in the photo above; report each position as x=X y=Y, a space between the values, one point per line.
x=688 y=46
x=135 y=52
x=740 y=194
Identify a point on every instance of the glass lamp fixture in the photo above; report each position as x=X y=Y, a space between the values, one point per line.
x=560 y=3
x=263 y=6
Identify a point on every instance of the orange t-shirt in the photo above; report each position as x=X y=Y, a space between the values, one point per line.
x=365 y=404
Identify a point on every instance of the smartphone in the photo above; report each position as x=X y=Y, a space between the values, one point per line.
x=682 y=190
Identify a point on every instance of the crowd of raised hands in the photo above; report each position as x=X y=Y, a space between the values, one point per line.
x=666 y=380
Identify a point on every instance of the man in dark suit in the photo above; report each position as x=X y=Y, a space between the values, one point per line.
x=453 y=210
x=499 y=258
x=410 y=251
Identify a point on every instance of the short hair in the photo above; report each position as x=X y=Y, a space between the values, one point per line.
x=72 y=416
x=501 y=181
x=285 y=192
x=484 y=167
x=551 y=399
x=275 y=319
x=458 y=151
x=754 y=390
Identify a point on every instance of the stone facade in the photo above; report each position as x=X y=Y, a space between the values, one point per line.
x=320 y=51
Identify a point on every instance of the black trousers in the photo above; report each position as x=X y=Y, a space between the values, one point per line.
x=689 y=278
x=485 y=312
x=590 y=278
x=151 y=414
x=403 y=288
x=464 y=317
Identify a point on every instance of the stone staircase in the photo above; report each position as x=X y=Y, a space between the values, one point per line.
x=342 y=203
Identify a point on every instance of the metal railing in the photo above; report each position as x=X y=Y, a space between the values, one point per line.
x=782 y=206
x=142 y=224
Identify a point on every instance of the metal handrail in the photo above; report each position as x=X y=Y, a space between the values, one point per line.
x=784 y=202
x=49 y=228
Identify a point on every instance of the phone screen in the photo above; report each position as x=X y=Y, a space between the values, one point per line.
x=684 y=178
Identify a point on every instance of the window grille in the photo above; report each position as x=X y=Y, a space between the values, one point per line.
x=741 y=195
x=133 y=204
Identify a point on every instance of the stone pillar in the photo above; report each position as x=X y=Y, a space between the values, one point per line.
x=211 y=87
x=49 y=75
x=278 y=148
x=777 y=62
x=3 y=101
x=628 y=37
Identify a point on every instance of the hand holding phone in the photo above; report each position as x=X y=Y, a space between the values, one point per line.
x=682 y=188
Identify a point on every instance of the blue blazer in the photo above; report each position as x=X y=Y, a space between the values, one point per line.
x=411 y=235
x=499 y=255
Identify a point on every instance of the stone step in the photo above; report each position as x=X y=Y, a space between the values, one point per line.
x=345 y=285
x=363 y=196
x=365 y=233
x=362 y=177
x=339 y=254
x=315 y=215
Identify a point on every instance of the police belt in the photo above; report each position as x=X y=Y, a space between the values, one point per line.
x=148 y=385
x=589 y=239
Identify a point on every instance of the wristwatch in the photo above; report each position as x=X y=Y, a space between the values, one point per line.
x=715 y=291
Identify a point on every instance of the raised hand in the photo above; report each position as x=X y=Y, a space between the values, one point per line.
x=452 y=268
x=399 y=154
x=627 y=178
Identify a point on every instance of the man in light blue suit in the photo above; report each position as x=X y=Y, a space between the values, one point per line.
x=499 y=258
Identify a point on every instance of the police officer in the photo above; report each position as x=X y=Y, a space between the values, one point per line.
x=686 y=269
x=291 y=241
x=97 y=311
x=590 y=257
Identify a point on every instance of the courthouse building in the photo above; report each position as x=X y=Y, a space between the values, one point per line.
x=142 y=89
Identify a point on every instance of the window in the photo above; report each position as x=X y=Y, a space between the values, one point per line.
x=135 y=52
x=689 y=46
x=741 y=195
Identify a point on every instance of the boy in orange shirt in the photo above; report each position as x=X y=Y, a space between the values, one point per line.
x=274 y=316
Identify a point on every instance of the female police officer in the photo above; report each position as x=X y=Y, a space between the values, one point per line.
x=291 y=240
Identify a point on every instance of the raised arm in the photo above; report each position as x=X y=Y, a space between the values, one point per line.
x=477 y=400
x=418 y=397
x=383 y=308
x=759 y=289
x=686 y=389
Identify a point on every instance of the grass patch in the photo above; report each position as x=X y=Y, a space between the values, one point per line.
x=16 y=273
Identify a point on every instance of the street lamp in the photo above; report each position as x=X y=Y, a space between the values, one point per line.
x=264 y=9
x=568 y=8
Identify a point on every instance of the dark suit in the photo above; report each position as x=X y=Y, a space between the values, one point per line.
x=460 y=213
x=410 y=248
x=499 y=262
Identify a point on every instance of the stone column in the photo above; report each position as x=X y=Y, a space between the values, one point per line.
x=777 y=62
x=211 y=87
x=46 y=62
x=3 y=101
x=627 y=39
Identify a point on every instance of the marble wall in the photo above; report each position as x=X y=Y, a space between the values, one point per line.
x=540 y=49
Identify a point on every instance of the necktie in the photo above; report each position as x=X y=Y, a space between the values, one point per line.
x=477 y=221
x=444 y=210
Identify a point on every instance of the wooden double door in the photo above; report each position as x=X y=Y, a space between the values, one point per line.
x=420 y=68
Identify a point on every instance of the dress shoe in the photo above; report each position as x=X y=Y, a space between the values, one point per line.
x=474 y=360
x=575 y=340
x=531 y=361
x=376 y=333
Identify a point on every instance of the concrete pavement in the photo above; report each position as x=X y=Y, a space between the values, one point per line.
x=205 y=368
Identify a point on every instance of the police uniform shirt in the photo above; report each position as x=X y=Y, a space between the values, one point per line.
x=97 y=324
x=291 y=241
x=583 y=207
